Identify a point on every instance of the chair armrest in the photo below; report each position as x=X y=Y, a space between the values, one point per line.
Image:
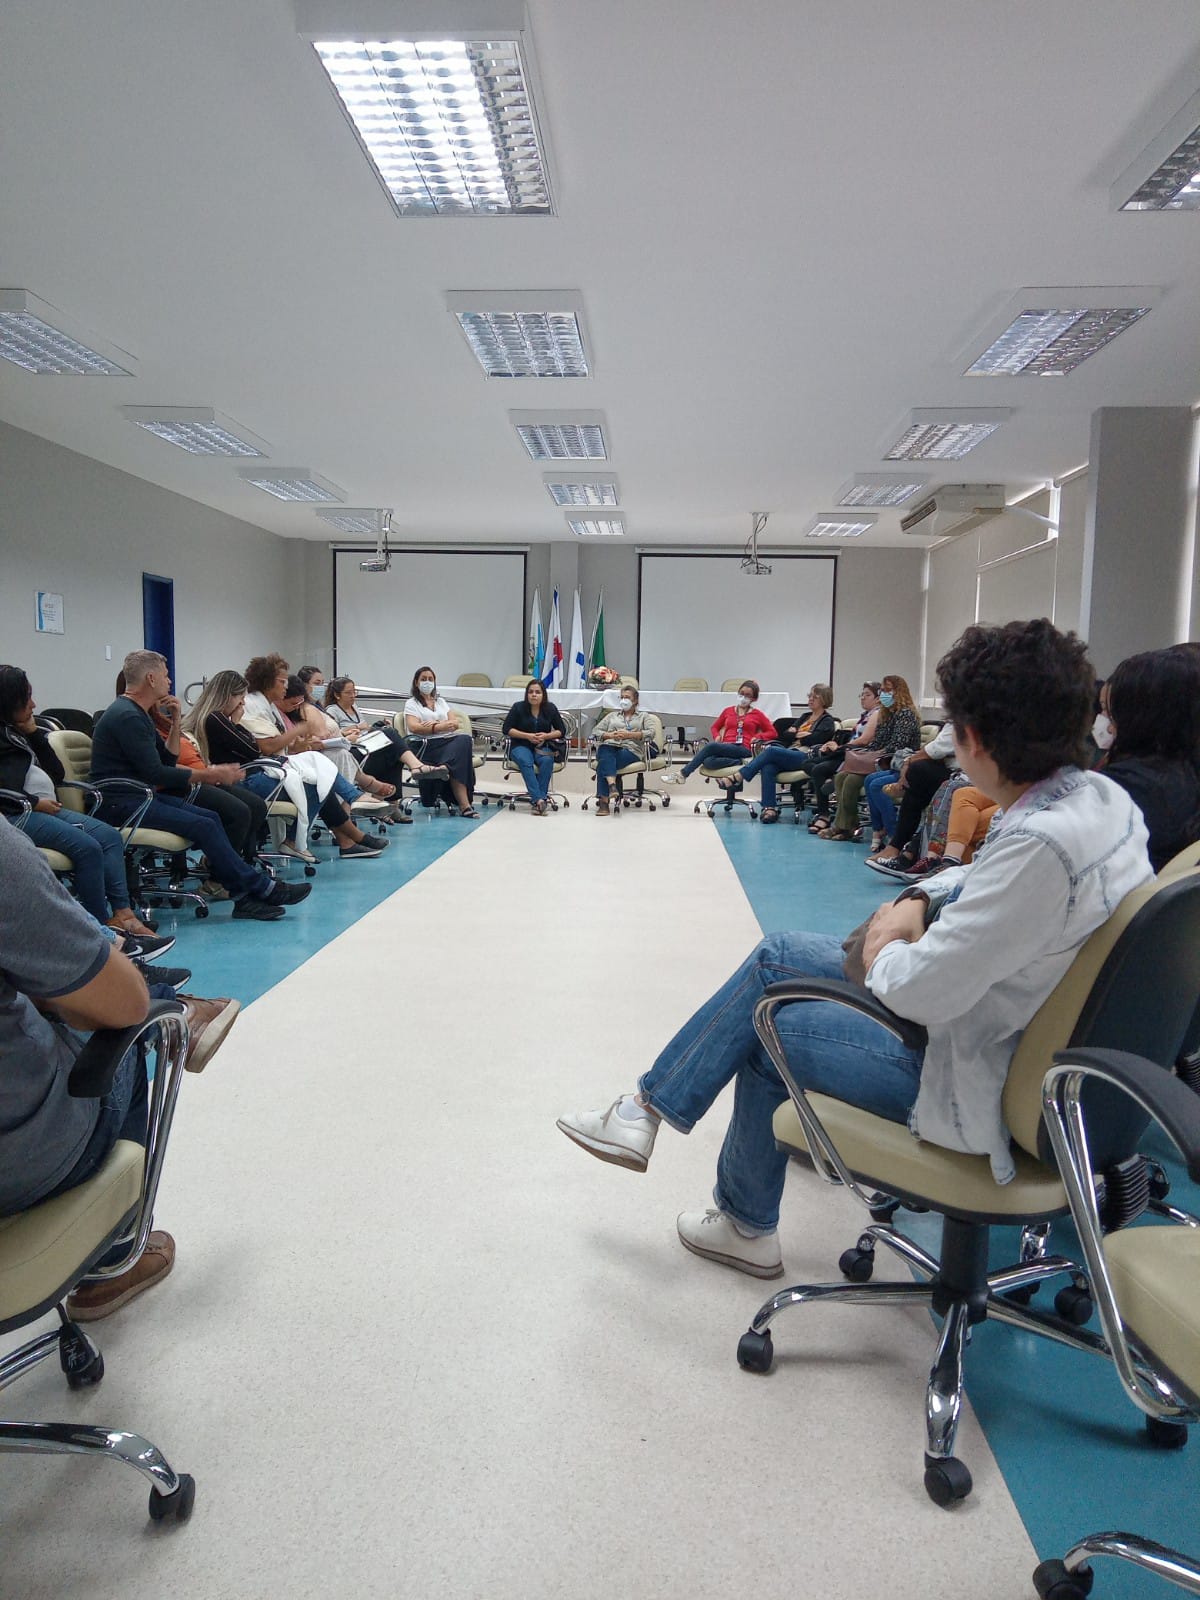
x=130 y=786
x=97 y=1063
x=910 y=1034
x=88 y=789
x=264 y=764
x=1171 y=1103
x=14 y=805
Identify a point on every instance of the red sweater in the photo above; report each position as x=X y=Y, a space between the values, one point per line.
x=755 y=725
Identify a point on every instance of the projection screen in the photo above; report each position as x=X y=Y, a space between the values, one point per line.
x=457 y=611
x=701 y=616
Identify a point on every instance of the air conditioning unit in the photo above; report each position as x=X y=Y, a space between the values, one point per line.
x=954 y=508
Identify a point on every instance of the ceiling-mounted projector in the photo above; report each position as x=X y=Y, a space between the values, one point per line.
x=953 y=509
x=750 y=561
x=381 y=561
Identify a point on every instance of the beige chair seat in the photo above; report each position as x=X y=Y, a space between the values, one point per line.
x=283 y=808
x=41 y=1248
x=55 y=860
x=885 y=1155
x=155 y=839
x=1155 y=1274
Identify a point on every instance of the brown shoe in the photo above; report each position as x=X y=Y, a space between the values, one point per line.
x=91 y=1301
x=208 y=1022
x=601 y=808
x=126 y=922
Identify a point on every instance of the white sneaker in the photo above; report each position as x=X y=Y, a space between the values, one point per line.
x=623 y=1141
x=712 y=1234
x=290 y=848
x=672 y=777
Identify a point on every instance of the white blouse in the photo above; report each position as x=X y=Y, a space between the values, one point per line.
x=438 y=712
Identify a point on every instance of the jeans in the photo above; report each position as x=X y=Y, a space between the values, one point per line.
x=610 y=758
x=172 y=814
x=97 y=852
x=769 y=763
x=830 y=1049
x=537 y=768
x=881 y=806
x=716 y=753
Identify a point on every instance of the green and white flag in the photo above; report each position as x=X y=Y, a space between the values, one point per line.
x=596 y=650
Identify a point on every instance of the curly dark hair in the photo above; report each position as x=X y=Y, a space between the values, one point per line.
x=262 y=671
x=1154 y=700
x=1026 y=689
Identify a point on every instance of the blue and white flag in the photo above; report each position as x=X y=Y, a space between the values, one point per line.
x=576 y=664
x=536 y=648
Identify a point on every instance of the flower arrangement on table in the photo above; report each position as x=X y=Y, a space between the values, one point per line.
x=603 y=677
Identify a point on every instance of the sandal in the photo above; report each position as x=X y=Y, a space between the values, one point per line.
x=838 y=836
x=382 y=791
x=470 y=812
x=819 y=826
x=729 y=781
x=769 y=814
x=424 y=773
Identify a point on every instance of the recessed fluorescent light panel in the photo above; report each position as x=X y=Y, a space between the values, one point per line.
x=561 y=435
x=446 y=115
x=841 y=527
x=355 y=519
x=1046 y=333
x=34 y=336
x=880 y=489
x=524 y=335
x=939 y=435
x=198 y=429
x=1166 y=176
x=596 y=527
x=291 y=483
x=570 y=489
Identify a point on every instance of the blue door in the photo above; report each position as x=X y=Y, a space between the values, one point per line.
x=158 y=618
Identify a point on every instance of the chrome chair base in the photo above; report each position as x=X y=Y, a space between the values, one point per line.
x=1071 y=1578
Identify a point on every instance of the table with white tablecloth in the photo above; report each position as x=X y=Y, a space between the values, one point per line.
x=673 y=706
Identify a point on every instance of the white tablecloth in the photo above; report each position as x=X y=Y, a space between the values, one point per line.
x=693 y=709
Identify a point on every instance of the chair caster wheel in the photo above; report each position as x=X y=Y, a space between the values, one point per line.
x=201 y=912
x=310 y=872
x=666 y=800
x=857 y=1265
x=1053 y=1582
x=946 y=1481
x=1165 y=1435
x=176 y=1505
x=174 y=902
x=80 y=1360
x=755 y=1351
x=1074 y=1305
x=1023 y=1295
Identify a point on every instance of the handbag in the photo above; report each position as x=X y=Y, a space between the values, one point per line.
x=861 y=761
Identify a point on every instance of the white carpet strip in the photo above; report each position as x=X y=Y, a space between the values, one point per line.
x=418 y=1344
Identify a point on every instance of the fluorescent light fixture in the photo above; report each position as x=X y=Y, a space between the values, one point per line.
x=38 y=338
x=198 y=429
x=562 y=435
x=528 y=334
x=833 y=527
x=880 y=488
x=1046 y=333
x=945 y=435
x=596 y=527
x=574 y=489
x=1166 y=176
x=445 y=113
x=356 y=519
x=291 y=483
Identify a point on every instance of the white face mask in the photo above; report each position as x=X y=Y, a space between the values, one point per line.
x=1103 y=732
x=626 y=705
x=427 y=686
x=745 y=702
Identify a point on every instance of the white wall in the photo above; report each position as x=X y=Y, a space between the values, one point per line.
x=86 y=531
x=878 y=622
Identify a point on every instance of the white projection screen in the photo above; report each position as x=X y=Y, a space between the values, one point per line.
x=457 y=611
x=703 y=617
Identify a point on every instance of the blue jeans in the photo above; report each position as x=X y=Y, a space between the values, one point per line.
x=716 y=753
x=881 y=806
x=831 y=1049
x=98 y=854
x=610 y=758
x=171 y=814
x=537 y=768
x=768 y=763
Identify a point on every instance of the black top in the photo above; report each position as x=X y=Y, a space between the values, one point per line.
x=19 y=750
x=789 y=732
x=521 y=716
x=125 y=745
x=1167 y=793
x=228 y=742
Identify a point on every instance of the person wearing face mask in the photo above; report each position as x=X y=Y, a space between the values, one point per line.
x=828 y=757
x=732 y=734
x=1148 y=730
x=796 y=747
x=898 y=728
x=623 y=737
x=430 y=721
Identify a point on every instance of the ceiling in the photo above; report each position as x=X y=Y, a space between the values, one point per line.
x=786 y=221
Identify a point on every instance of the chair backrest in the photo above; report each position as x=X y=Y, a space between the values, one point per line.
x=69 y=717
x=464 y=720
x=516 y=680
x=929 y=730
x=691 y=685
x=74 y=750
x=659 y=740
x=1185 y=861
x=732 y=685
x=1133 y=985
x=474 y=680
x=631 y=682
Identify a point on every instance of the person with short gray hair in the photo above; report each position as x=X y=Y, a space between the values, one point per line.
x=138 y=663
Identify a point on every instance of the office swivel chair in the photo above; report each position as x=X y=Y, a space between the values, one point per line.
x=1133 y=986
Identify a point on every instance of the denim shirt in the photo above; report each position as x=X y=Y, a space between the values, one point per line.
x=1053 y=869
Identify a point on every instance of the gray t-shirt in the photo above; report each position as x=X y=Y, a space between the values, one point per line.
x=49 y=946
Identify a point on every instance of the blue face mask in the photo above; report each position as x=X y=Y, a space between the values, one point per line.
x=887 y=699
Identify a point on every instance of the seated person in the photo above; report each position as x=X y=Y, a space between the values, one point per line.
x=126 y=745
x=732 y=734
x=623 y=737
x=898 y=728
x=60 y=976
x=828 y=757
x=430 y=721
x=1149 y=731
x=341 y=711
x=920 y=778
x=28 y=766
x=971 y=961
x=788 y=753
x=538 y=736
